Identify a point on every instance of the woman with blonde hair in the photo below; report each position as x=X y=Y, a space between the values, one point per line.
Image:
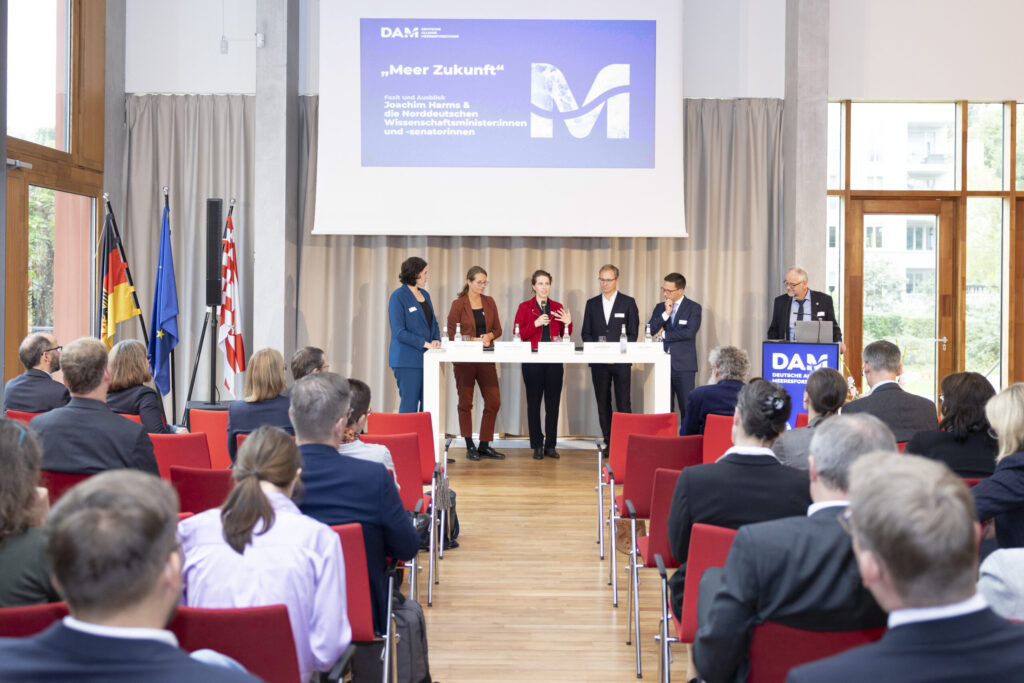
x=258 y=549
x=131 y=389
x=265 y=401
x=999 y=499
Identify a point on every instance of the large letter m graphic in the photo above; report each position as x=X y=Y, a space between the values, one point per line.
x=552 y=98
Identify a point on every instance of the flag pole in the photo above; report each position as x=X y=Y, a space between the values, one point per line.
x=174 y=384
x=127 y=268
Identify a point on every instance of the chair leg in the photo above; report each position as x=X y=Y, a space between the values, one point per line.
x=612 y=552
x=600 y=515
x=629 y=617
x=634 y=580
x=665 y=655
x=441 y=531
x=413 y=583
x=431 y=563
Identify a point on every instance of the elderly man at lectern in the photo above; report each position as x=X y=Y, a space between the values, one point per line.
x=800 y=303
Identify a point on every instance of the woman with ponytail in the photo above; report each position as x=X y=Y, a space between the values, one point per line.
x=258 y=549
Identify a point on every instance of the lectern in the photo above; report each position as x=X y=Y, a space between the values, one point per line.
x=791 y=363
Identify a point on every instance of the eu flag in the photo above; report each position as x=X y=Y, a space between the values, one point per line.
x=163 y=332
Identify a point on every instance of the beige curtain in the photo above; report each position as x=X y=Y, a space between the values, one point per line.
x=199 y=146
x=733 y=191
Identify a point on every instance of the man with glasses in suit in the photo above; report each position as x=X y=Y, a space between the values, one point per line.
x=35 y=391
x=800 y=303
x=676 y=323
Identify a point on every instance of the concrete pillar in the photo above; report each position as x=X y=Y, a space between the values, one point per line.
x=804 y=134
x=275 y=179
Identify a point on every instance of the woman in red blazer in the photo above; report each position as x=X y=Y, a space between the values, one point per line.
x=542 y=319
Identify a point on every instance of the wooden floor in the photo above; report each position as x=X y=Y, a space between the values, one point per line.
x=525 y=596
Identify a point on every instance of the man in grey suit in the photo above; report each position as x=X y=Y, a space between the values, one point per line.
x=904 y=413
x=798 y=571
x=35 y=391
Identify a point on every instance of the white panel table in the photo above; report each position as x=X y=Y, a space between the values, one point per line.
x=636 y=353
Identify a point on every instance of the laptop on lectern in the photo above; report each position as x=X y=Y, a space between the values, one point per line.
x=813 y=331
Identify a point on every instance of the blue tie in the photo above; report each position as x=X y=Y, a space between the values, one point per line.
x=675 y=310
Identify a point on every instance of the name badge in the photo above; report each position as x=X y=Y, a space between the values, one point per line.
x=680 y=322
x=412 y=309
x=620 y=315
x=821 y=314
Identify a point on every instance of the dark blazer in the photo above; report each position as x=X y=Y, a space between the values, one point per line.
x=798 y=571
x=904 y=413
x=680 y=340
x=63 y=654
x=526 y=316
x=409 y=330
x=973 y=457
x=244 y=417
x=142 y=401
x=24 y=572
x=1001 y=497
x=339 y=489
x=624 y=314
x=739 y=489
x=34 y=391
x=715 y=399
x=461 y=313
x=979 y=646
x=87 y=437
x=821 y=311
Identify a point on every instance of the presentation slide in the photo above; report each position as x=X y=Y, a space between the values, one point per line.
x=501 y=119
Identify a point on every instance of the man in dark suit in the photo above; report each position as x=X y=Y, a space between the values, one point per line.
x=729 y=367
x=113 y=549
x=85 y=436
x=798 y=571
x=35 y=391
x=904 y=413
x=339 y=489
x=800 y=303
x=677 y=321
x=610 y=315
x=915 y=536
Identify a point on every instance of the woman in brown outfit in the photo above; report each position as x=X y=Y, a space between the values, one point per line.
x=478 y=316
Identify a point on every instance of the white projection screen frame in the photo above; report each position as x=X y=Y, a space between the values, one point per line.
x=369 y=186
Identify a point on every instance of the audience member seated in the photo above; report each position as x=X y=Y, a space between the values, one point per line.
x=359 y=409
x=265 y=401
x=797 y=571
x=24 y=574
x=258 y=549
x=1001 y=582
x=307 y=360
x=85 y=436
x=343 y=490
x=747 y=484
x=916 y=541
x=825 y=394
x=904 y=413
x=962 y=440
x=999 y=499
x=129 y=392
x=34 y=391
x=113 y=547
x=729 y=367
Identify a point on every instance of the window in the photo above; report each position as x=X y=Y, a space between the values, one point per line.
x=921 y=281
x=902 y=146
x=920 y=237
x=873 y=237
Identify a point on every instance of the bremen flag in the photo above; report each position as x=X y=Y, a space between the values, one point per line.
x=229 y=336
x=116 y=303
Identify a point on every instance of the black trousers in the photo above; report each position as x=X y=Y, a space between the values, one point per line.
x=603 y=376
x=543 y=381
x=682 y=385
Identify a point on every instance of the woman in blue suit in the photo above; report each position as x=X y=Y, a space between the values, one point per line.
x=413 y=331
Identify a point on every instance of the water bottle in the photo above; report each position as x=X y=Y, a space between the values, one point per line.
x=444 y=338
x=458 y=331
x=623 y=340
x=647 y=333
x=515 y=334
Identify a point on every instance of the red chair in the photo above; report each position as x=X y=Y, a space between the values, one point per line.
x=801 y=420
x=645 y=455
x=20 y=416
x=239 y=440
x=137 y=419
x=971 y=481
x=902 y=445
x=201 y=489
x=433 y=473
x=775 y=649
x=213 y=423
x=57 y=483
x=19 y=622
x=717 y=436
x=180 y=450
x=182 y=516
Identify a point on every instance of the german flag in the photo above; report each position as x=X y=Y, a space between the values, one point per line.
x=116 y=303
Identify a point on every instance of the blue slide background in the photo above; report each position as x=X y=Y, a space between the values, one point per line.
x=579 y=48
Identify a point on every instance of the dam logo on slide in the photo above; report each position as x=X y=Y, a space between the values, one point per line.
x=552 y=98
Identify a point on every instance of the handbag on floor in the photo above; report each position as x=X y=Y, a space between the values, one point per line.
x=411 y=648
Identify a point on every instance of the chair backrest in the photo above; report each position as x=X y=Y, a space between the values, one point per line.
x=180 y=450
x=240 y=439
x=409 y=423
x=404 y=449
x=625 y=425
x=18 y=622
x=717 y=436
x=709 y=547
x=200 y=489
x=57 y=483
x=357 y=582
x=213 y=423
x=185 y=515
x=645 y=454
x=775 y=649
x=664 y=485
x=971 y=481
x=902 y=445
x=802 y=419
x=260 y=638
x=20 y=416
x=137 y=419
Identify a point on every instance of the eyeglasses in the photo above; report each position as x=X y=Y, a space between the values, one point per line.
x=668 y=291
x=55 y=348
x=792 y=284
x=607 y=280
x=845 y=520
